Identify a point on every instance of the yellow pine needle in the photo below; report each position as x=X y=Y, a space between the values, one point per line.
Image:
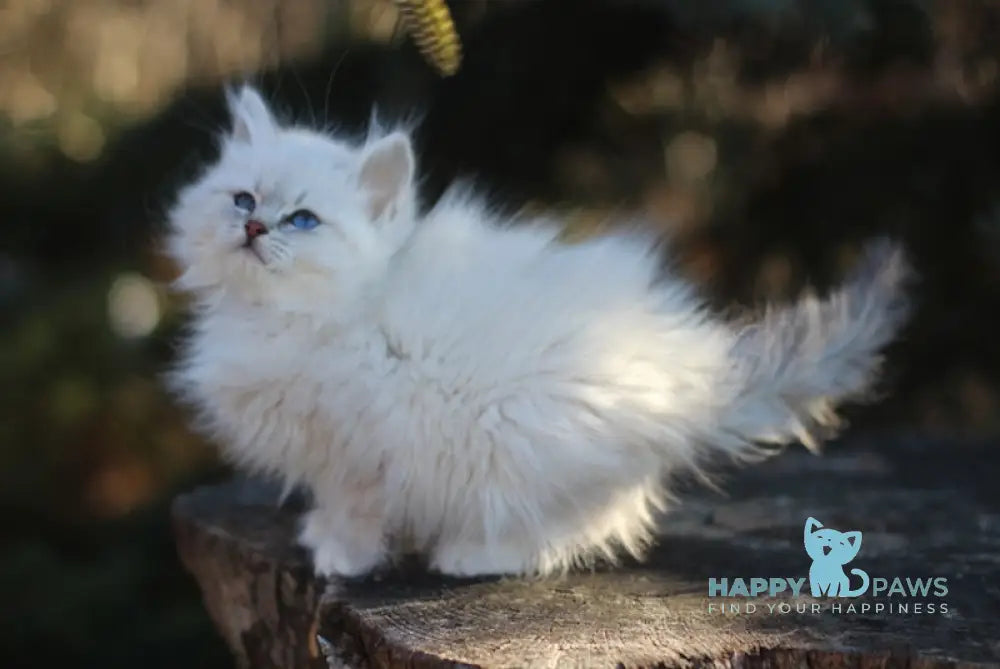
x=430 y=24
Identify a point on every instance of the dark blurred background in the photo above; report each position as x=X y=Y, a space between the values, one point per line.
x=767 y=137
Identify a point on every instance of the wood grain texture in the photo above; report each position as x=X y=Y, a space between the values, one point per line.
x=256 y=585
x=927 y=508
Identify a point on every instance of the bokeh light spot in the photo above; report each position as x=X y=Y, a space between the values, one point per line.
x=81 y=138
x=133 y=306
x=691 y=156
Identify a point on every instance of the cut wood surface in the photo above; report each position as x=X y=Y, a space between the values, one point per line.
x=927 y=508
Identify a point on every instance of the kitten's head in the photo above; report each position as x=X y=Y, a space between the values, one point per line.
x=288 y=216
x=829 y=545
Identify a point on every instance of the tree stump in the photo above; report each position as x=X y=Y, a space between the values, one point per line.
x=927 y=508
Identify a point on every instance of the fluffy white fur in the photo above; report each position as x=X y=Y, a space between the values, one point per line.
x=475 y=391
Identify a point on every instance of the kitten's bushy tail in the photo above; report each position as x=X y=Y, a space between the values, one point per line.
x=797 y=362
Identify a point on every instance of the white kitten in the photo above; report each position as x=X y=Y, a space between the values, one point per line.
x=478 y=392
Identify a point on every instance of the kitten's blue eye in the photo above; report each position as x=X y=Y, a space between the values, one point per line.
x=245 y=201
x=303 y=219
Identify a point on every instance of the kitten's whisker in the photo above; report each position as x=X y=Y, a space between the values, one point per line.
x=329 y=87
x=305 y=93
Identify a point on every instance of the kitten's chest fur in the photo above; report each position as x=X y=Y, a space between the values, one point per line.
x=269 y=387
x=289 y=397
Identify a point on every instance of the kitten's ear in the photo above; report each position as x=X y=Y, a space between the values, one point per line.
x=811 y=526
x=854 y=538
x=251 y=117
x=386 y=175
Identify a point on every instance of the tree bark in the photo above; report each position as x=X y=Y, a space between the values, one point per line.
x=926 y=509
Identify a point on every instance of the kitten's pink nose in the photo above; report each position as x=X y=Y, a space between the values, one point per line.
x=255 y=229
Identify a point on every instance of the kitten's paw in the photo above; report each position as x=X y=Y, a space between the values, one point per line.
x=332 y=558
x=471 y=559
x=336 y=552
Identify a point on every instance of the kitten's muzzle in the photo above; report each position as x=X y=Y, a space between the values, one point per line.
x=254 y=229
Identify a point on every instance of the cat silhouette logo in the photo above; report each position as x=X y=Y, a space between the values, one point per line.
x=830 y=550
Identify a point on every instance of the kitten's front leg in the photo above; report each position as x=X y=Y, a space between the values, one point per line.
x=345 y=539
x=467 y=558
